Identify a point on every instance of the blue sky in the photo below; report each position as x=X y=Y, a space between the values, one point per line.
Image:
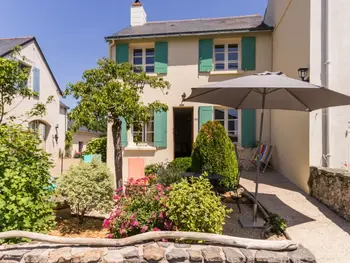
x=71 y=32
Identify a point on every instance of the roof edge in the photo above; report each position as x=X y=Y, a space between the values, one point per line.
x=261 y=28
x=44 y=58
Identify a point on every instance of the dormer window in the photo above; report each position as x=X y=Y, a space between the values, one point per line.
x=143 y=60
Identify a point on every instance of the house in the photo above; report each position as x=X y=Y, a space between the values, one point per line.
x=81 y=138
x=188 y=53
x=41 y=80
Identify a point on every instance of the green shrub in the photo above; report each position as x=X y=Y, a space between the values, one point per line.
x=152 y=169
x=169 y=175
x=25 y=182
x=97 y=146
x=214 y=152
x=277 y=223
x=183 y=164
x=87 y=187
x=193 y=206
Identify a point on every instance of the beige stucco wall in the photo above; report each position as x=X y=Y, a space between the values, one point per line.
x=291 y=50
x=82 y=136
x=63 y=126
x=183 y=75
x=47 y=88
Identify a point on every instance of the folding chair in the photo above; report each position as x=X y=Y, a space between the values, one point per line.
x=265 y=156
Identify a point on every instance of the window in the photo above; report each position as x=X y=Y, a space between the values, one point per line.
x=229 y=119
x=226 y=57
x=144 y=133
x=143 y=60
x=42 y=129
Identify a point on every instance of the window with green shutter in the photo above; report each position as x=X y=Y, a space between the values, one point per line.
x=205 y=63
x=248 y=137
x=160 y=129
x=161 y=57
x=248 y=53
x=122 y=53
x=205 y=113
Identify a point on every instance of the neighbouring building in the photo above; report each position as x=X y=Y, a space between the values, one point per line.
x=50 y=127
x=81 y=138
x=188 y=53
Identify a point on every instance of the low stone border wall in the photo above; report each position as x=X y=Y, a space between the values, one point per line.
x=150 y=252
x=332 y=188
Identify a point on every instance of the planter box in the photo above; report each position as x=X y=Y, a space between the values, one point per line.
x=89 y=157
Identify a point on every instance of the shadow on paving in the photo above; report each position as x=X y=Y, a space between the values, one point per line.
x=275 y=205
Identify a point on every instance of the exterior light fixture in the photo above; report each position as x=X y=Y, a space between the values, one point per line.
x=303 y=74
x=183 y=96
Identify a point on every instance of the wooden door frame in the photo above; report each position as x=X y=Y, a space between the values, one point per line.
x=192 y=135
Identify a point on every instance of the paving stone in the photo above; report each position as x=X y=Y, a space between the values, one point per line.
x=153 y=253
x=60 y=255
x=177 y=255
x=263 y=256
x=195 y=255
x=14 y=254
x=34 y=256
x=233 y=255
x=113 y=256
x=181 y=245
x=249 y=255
x=301 y=255
x=213 y=254
x=129 y=252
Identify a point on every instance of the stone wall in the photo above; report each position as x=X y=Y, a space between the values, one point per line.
x=332 y=188
x=151 y=252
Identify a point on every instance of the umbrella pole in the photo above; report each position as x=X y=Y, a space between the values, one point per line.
x=255 y=206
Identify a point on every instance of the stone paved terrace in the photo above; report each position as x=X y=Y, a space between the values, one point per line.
x=150 y=252
x=310 y=223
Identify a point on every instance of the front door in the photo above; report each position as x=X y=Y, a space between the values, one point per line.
x=183 y=131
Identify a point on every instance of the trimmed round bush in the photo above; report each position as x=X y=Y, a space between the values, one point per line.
x=192 y=206
x=214 y=153
x=183 y=164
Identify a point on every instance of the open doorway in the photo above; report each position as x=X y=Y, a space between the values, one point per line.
x=183 y=131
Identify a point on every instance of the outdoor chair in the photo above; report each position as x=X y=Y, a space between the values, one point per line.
x=265 y=156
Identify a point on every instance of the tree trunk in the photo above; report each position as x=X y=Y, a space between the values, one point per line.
x=118 y=151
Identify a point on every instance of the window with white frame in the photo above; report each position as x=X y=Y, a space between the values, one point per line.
x=226 y=57
x=229 y=119
x=143 y=60
x=143 y=133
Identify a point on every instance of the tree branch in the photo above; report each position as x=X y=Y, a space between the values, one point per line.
x=285 y=245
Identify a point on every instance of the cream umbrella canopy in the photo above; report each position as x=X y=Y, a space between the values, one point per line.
x=267 y=90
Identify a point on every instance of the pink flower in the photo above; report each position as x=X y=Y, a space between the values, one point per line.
x=161 y=215
x=168 y=188
x=156 y=229
x=144 y=228
x=157 y=198
x=122 y=232
x=134 y=223
x=106 y=223
x=110 y=236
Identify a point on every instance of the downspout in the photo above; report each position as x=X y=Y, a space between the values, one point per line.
x=326 y=64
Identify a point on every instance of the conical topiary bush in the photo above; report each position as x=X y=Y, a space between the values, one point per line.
x=214 y=153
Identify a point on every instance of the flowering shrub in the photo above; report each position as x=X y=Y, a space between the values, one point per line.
x=140 y=208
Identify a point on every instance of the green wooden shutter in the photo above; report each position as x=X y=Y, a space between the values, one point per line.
x=205 y=63
x=248 y=53
x=248 y=122
x=160 y=129
x=161 y=57
x=205 y=113
x=36 y=80
x=124 y=133
x=122 y=53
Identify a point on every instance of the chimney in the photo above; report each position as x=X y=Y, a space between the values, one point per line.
x=138 y=15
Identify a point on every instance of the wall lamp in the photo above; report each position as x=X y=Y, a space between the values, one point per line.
x=303 y=74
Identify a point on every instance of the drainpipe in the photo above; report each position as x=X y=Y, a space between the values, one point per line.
x=326 y=64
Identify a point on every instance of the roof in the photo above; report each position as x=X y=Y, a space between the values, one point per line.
x=205 y=26
x=7 y=44
x=64 y=106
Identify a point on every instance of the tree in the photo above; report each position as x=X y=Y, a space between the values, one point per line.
x=113 y=91
x=14 y=75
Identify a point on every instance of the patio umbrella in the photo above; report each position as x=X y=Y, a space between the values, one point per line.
x=267 y=90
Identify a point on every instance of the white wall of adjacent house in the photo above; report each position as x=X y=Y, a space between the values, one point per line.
x=183 y=75
x=291 y=47
x=47 y=88
x=63 y=126
x=80 y=140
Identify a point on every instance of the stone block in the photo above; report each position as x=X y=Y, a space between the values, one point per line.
x=263 y=256
x=177 y=255
x=112 y=256
x=301 y=255
x=195 y=255
x=233 y=255
x=153 y=253
x=213 y=254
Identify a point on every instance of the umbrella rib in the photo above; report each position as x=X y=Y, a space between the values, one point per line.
x=204 y=93
x=296 y=97
x=239 y=104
